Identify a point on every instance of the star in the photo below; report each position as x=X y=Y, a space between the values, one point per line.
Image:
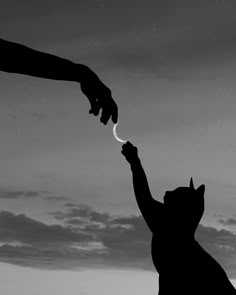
x=154 y=27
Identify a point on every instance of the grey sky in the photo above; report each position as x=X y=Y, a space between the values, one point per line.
x=171 y=68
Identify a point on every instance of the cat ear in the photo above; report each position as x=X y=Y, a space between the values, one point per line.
x=191 y=184
x=201 y=189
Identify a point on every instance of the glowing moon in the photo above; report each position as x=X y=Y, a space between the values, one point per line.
x=115 y=134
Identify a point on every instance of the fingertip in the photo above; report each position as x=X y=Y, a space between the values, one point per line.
x=115 y=117
x=114 y=120
x=103 y=122
x=105 y=116
x=96 y=112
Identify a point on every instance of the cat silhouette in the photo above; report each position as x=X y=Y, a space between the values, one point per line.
x=184 y=267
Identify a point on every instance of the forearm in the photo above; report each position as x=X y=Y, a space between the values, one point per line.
x=151 y=209
x=16 y=58
x=140 y=184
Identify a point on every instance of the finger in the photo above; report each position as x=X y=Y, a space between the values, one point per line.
x=95 y=108
x=94 y=111
x=105 y=114
x=110 y=109
x=114 y=114
x=107 y=109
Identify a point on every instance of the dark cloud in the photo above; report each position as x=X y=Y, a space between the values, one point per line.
x=80 y=211
x=230 y=221
x=221 y=244
x=56 y=198
x=20 y=114
x=129 y=238
x=29 y=194
x=31 y=232
x=39 y=115
x=56 y=246
x=91 y=238
x=12 y=194
x=27 y=242
x=71 y=205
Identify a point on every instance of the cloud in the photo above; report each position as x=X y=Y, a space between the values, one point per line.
x=18 y=194
x=71 y=205
x=230 y=221
x=221 y=244
x=90 y=238
x=80 y=212
x=56 y=198
x=34 y=233
x=29 y=194
x=27 y=242
x=101 y=240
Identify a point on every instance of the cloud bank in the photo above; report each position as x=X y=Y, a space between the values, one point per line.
x=89 y=238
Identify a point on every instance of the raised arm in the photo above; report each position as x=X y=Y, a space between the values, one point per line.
x=17 y=58
x=151 y=209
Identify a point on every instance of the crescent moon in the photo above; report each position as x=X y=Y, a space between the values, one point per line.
x=115 y=134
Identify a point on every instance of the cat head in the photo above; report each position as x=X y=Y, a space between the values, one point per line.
x=185 y=205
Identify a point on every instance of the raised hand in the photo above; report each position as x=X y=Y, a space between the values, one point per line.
x=99 y=96
x=130 y=152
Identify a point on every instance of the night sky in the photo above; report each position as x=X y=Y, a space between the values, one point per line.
x=66 y=195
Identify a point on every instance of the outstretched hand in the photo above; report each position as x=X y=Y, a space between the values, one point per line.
x=130 y=152
x=100 y=97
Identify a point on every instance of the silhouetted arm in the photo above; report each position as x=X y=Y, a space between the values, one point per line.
x=17 y=58
x=151 y=209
